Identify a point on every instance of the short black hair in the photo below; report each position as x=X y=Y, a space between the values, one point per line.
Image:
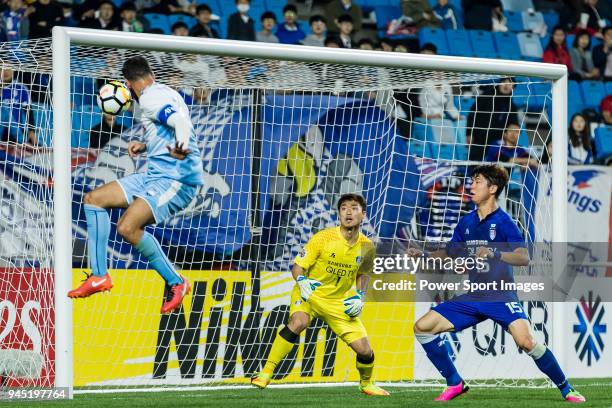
x=268 y=14
x=345 y=18
x=365 y=41
x=135 y=68
x=332 y=40
x=352 y=197
x=289 y=7
x=429 y=47
x=128 y=6
x=315 y=18
x=179 y=24
x=203 y=7
x=239 y=0
x=494 y=174
x=103 y=2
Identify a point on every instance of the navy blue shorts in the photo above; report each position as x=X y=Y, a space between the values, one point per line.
x=464 y=313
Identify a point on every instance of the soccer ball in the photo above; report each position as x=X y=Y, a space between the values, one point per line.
x=114 y=98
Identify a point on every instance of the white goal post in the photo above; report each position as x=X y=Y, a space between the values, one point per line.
x=64 y=38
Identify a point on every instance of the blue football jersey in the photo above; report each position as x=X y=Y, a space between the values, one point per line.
x=496 y=231
x=157 y=104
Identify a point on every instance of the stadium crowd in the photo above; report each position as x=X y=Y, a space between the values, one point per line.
x=576 y=33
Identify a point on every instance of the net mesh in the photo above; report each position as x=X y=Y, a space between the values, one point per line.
x=280 y=142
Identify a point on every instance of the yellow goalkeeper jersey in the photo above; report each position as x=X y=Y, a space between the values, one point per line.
x=328 y=258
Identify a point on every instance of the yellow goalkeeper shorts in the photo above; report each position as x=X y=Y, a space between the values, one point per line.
x=331 y=311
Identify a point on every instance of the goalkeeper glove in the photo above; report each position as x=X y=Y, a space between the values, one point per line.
x=354 y=304
x=307 y=286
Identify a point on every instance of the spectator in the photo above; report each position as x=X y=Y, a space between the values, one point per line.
x=103 y=18
x=332 y=42
x=318 y=27
x=447 y=15
x=338 y=8
x=180 y=29
x=429 y=48
x=290 y=32
x=268 y=21
x=606 y=110
x=345 y=25
x=400 y=48
x=201 y=96
x=420 y=13
x=581 y=57
x=101 y=134
x=492 y=111
x=240 y=25
x=46 y=15
x=579 y=147
x=16 y=101
x=602 y=55
x=556 y=51
x=478 y=14
x=436 y=101
x=159 y=6
x=128 y=18
x=202 y=27
x=386 y=44
x=507 y=149
x=14 y=23
x=365 y=44
x=591 y=19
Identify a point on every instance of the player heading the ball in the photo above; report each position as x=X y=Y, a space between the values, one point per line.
x=174 y=172
x=332 y=263
x=487 y=232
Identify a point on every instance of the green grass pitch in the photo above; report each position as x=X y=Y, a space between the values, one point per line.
x=597 y=391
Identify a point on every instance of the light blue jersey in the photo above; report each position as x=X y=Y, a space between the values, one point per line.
x=157 y=104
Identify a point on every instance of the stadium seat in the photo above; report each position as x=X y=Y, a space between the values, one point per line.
x=459 y=43
x=174 y=18
x=159 y=21
x=575 y=102
x=603 y=142
x=551 y=19
x=514 y=21
x=507 y=45
x=544 y=41
x=569 y=40
x=530 y=46
x=83 y=90
x=434 y=36
x=608 y=87
x=482 y=43
x=384 y=14
x=83 y=119
x=43 y=121
x=593 y=92
x=532 y=20
x=517 y=5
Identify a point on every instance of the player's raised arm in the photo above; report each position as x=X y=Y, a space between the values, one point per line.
x=518 y=257
x=182 y=129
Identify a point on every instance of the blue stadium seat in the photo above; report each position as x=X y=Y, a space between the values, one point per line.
x=174 y=18
x=43 y=121
x=530 y=45
x=384 y=14
x=83 y=119
x=532 y=20
x=514 y=21
x=159 y=21
x=83 y=90
x=459 y=43
x=434 y=36
x=608 y=87
x=531 y=96
x=593 y=92
x=603 y=142
x=569 y=40
x=482 y=43
x=517 y=5
x=544 y=41
x=551 y=18
x=575 y=102
x=507 y=45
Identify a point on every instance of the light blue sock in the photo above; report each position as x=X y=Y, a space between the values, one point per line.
x=98 y=231
x=150 y=249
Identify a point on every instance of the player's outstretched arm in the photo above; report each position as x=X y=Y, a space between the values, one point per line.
x=135 y=148
x=182 y=130
x=518 y=257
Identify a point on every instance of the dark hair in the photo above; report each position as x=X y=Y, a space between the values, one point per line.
x=268 y=14
x=203 y=7
x=605 y=29
x=128 y=6
x=584 y=138
x=316 y=17
x=332 y=40
x=103 y=2
x=179 y=24
x=135 y=68
x=345 y=18
x=289 y=7
x=352 y=197
x=494 y=174
x=429 y=47
x=365 y=41
x=580 y=34
x=551 y=43
x=239 y=0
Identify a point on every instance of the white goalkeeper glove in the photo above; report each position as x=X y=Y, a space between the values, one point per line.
x=307 y=286
x=354 y=304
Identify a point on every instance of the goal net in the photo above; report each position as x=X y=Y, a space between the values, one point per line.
x=280 y=141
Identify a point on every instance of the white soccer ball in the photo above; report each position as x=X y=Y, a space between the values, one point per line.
x=114 y=98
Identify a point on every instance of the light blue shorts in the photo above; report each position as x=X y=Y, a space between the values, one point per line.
x=165 y=196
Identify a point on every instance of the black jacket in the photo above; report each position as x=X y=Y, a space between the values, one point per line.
x=199 y=30
x=237 y=29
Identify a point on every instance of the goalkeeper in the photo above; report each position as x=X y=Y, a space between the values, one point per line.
x=330 y=265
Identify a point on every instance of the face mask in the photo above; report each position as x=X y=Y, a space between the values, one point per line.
x=243 y=8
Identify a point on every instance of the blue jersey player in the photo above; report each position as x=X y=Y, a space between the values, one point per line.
x=174 y=172
x=489 y=233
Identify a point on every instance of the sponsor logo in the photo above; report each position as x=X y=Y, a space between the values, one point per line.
x=302 y=253
x=358 y=260
x=590 y=329
x=582 y=178
x=95 y=284
x=332 y=255
x=492 y=232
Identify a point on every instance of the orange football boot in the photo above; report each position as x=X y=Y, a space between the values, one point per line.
x=92 y=284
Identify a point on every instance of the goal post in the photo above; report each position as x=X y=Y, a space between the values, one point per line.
x=457 y=67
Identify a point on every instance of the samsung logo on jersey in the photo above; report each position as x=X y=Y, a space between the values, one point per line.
x=583 y=202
